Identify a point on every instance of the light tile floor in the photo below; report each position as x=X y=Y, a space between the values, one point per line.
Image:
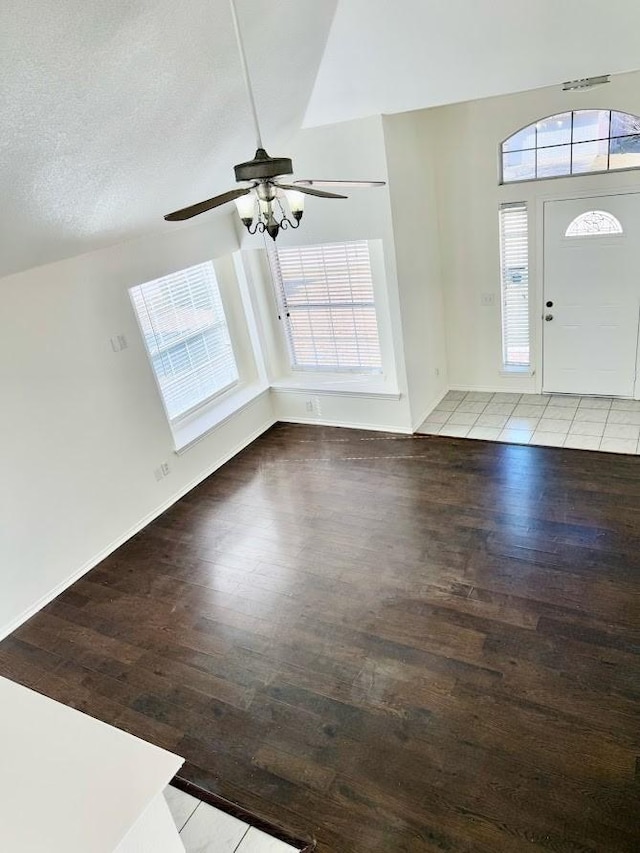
x=204 y=829
x=554 y=420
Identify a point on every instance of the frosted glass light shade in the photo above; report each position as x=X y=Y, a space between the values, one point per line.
x=296 y=201
x=246 y=206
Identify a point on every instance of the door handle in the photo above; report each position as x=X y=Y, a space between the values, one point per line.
x=548 y=317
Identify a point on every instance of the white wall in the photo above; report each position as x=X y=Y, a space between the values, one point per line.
x=468 y=139
x=411 y=157
x=83 y=428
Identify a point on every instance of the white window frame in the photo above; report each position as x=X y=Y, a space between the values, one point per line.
x=514 y=260
x=328 y=256
x=611 y=139
x=190 y=284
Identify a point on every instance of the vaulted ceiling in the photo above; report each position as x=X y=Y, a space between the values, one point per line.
x=388 y=57
x=116 y=113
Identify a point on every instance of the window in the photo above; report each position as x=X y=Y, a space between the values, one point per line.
x=572 y=143
x=328 y=308
x=185 y=332
x=514 y=270
x=592 y=223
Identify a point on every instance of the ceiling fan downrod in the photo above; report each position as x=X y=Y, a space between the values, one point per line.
x=262 y=201
x=245 y=74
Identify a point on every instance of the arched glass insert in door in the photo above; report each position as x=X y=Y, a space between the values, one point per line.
x=579 y=142
x=594 y=222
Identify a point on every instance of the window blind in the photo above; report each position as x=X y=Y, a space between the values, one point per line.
x=514 y=268
x=186 y=336
x=328 y=307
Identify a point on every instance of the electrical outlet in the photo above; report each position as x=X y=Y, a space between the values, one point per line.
x=309 y=405
x=118 y=343
x=437 y=371
x=162 y=472
x=488 y=300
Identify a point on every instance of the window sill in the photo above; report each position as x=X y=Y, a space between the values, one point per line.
x=339 y=386
x=214 y=414
x=198 y=425
x=517 y=371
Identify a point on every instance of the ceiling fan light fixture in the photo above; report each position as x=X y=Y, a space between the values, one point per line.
x=296 y=203
x=246 y=207
x=268 y=221
x=272 y=216
x=265 y=207
x=262 y=206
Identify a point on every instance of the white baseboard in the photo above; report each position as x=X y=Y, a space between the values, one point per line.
x=347 y=425
x=90 y=564
x=491 y=389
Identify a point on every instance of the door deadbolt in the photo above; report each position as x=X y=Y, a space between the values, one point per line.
x=548 y=317
x=549 y=304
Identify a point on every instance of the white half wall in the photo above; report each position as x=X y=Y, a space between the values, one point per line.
x=83 y=429
x=377 y=412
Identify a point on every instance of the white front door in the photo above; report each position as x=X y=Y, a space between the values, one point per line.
x=591 y=295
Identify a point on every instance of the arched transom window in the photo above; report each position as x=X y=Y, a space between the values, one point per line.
x=573 y=143
x=592 y=223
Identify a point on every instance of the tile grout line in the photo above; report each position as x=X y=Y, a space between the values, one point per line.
x=189 y=818
x=266 y=832
x=583 y=401
x=571 y=423
x=235 y=849
x=603 y=428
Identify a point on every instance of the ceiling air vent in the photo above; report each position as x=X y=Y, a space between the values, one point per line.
x=585 y=83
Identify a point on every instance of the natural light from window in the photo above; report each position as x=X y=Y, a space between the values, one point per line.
x=327 y=306
x=593 y=223
x=514 y=269
x=185 y=332
x=572 y=143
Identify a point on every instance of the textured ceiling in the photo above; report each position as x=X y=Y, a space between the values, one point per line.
x=388 y=56
x=116 y=113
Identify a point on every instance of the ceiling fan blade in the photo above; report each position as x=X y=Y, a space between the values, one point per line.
x=309 y=191
x=203 y=206
x=345 y=184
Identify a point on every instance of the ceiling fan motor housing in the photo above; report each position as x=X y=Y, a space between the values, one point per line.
x=263 y=167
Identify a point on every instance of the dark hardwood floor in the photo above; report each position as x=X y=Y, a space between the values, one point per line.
x=391 y=643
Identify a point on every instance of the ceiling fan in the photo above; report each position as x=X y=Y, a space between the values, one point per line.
x=262 y=201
